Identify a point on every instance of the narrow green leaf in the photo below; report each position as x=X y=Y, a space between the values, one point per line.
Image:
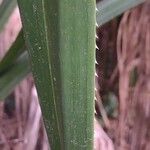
x=60 y=36
x=13 y=53
x=14 y=75
x=109 y=9
x=6 y=8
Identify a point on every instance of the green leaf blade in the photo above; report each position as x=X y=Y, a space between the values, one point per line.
x=109 y=9
x=77 y=62
x=62 y=54
x=14 y=75
x=6 y=8
x=16 y=50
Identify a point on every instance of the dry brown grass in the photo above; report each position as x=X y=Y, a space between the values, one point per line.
x=133 y=50
x=128 y=78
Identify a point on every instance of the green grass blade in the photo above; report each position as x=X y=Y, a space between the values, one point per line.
x=6 y=8
x=109 y=9
x=13 y=53
x=14 y=75
x=60 y=36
